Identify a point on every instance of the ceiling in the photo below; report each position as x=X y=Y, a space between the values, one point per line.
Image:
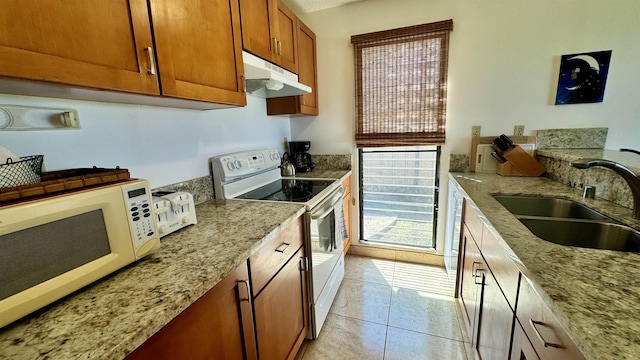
x=306 y=6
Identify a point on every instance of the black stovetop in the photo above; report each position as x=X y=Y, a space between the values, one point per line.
x=291 y=190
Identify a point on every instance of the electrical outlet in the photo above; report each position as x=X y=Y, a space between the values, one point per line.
x=475 y=131
x=518 y=130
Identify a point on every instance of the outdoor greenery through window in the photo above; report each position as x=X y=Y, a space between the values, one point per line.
x=401 y=92
x=399 y=195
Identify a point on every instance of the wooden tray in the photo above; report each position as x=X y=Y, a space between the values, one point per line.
x=63 y=180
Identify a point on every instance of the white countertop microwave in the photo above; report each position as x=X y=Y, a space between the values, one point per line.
x=52 y=246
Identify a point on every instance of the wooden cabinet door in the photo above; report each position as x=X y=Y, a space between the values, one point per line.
x=198 y=45
x=346 y=205
x=522 y=348
x=282 y=311
x=259 y=33
x=96 y=44
x=287 y=24
x=469 y=284
x=307 y=73
x=306 y=104
x=219 y=325
x=495 y=321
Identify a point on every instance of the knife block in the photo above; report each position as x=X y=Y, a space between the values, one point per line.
x=520 y=163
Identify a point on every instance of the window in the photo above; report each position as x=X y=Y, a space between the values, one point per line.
x=401 y=91
x=399 y=195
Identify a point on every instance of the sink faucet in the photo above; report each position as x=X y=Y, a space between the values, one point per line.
x=630 y=150
x=632 y=178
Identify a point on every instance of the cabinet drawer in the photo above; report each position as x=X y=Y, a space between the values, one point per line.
x=503 y=268
x=473 y=222
x=542 y=327
x=274 y=254
x=346 y=184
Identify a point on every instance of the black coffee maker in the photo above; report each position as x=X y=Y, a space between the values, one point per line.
x=300 y=158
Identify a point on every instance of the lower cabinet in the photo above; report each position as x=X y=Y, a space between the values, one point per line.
x=346 y=205
x=490 y=287
x=470 y=291
x=487 y=313
x=522 y=348
x=265 y=315
x=545 y=334
x=282 y=312
x=496 y=320
x=219 y=325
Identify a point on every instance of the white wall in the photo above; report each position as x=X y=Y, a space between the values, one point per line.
x=503 y=67
x=162 y=145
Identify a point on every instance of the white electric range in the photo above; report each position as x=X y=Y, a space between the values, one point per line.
x=255 y=176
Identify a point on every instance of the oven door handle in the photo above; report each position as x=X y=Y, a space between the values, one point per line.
x=328 y=205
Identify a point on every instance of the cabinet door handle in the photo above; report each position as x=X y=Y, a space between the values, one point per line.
x=533 y=324
x=152 y=60
x=275 y=44
x=279 y=47
x=246 y=284
x=474 y=271
x=479 y=276
x=282 y=248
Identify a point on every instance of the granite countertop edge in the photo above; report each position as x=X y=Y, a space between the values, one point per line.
x=573 y=282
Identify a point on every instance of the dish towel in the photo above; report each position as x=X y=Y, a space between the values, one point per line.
x=341 y=226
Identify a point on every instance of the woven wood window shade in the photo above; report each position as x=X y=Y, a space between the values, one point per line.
x=401 y=85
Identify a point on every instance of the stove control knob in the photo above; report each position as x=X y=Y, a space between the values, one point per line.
x=230 y=166
x=185 y=220
x=163 y=229
x=238 y=164
x=274 y=156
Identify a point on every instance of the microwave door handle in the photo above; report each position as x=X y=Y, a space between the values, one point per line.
x=328 y=205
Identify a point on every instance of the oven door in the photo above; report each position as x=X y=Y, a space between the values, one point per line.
x=326 y=248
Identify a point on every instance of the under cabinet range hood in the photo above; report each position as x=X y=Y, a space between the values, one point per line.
x=278 y=82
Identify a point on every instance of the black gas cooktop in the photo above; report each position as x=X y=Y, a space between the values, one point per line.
x=291 y=190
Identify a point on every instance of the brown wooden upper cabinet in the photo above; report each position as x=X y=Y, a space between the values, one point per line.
x=104 y=44
x=306 y=104
x=199 y=49
x=269 y=30
x=108 y=45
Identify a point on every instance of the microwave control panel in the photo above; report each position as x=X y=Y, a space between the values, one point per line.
x=140 y=214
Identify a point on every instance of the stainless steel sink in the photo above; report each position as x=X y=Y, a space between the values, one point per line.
x=587 y=234
x=547 y=207
x=570 y=223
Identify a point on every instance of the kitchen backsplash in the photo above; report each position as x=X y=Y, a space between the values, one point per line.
x=458 y=163
x=609 y=185
x=587 y=138
x=332 y=162
x=201 y=188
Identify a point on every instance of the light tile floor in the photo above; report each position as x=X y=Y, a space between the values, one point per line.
x=389 y=309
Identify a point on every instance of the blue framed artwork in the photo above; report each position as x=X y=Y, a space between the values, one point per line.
x=583 y=77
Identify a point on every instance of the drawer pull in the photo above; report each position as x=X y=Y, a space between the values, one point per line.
x=542 y=340
x=246 y=284
x=282 y=248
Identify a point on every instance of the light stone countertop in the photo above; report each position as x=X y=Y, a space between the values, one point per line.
x=594 y=293
x=112 y=317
